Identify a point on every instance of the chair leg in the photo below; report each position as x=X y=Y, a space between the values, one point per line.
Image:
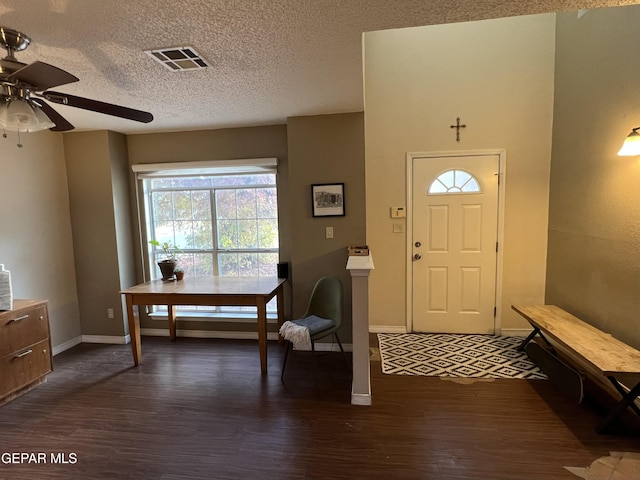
x=284 y=362
x=346 y=359
x=315 y=364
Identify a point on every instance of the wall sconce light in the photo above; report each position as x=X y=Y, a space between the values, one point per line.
x=631 y=145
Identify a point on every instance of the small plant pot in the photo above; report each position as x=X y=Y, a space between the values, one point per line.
x=166 y=268
x=179 y=275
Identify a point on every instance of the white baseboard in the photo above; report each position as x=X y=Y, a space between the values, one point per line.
x=515 y=332
x=507 y=332
x=90 y=339
x=106 y=339
x=66 y=345
x=387 y=329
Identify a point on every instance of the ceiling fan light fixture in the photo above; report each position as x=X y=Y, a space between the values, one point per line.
x=19 y=116
x=44 y=123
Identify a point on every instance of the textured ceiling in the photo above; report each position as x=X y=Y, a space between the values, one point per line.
x=270 y=59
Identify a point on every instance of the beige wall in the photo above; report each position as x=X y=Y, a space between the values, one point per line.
x=122 y=207
x=497 y=75
x=35 y=228
x=98 y=192
x=594 y=213
x=325 y=149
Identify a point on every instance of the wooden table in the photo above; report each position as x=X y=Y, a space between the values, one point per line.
x=205 y=290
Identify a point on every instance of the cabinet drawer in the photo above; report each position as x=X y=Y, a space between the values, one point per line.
x=22 y=328
x=24 y=367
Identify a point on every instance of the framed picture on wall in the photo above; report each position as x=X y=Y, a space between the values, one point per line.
x=327 y=199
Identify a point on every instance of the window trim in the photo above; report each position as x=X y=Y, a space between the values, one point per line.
x=209 y=167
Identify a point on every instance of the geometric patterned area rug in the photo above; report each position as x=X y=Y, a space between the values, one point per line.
x=455 y=355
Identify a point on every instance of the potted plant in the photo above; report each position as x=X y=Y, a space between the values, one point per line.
x=169 y=263
x=179 y=273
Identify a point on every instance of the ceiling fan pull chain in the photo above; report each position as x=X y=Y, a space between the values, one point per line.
x=4 y=135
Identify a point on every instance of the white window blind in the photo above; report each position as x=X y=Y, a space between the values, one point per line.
x=213 y=167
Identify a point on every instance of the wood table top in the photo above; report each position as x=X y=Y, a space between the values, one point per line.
x=209 y=285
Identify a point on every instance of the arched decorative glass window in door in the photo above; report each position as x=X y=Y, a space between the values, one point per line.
x=454 y=182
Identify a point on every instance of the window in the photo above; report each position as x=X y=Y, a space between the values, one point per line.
x=454 y=181
x=222 y=224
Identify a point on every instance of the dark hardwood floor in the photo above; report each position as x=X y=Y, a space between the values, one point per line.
x=200 y=409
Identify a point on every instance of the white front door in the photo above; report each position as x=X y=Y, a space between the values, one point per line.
x=454 y=243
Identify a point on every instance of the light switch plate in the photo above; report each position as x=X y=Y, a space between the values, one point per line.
x=329 y=232
x=398 y=212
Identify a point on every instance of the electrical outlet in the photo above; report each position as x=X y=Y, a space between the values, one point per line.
x=110 y=313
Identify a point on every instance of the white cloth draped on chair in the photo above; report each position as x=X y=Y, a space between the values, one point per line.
x=299 y=332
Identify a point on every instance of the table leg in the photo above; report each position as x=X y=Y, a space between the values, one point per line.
x=536 y=331
x=280 y=297
x=262 y=332
x=171 y=314
x=627 y=401
x=624 y=392
x=523 y=344
x=133 y=319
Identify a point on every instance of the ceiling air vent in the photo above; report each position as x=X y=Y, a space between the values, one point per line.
x=178 y=58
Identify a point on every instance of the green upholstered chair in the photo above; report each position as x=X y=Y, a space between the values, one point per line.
x=323 y=316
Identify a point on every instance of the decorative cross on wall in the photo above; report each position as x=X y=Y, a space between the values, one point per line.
x=457 y=126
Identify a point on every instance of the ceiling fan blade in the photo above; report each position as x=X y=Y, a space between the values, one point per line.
x=100 y=107
x=42 y=76
x=62 y=125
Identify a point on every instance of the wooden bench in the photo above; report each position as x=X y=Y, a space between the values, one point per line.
x=605 y=355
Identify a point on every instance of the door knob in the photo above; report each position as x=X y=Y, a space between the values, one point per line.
x=417 y=256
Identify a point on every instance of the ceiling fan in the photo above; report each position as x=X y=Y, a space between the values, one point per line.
x=24 y=92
